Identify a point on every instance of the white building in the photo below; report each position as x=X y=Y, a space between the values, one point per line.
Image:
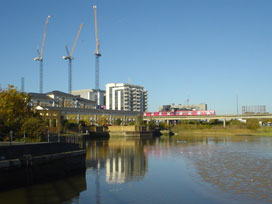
x=92 y=94
x=126 y=97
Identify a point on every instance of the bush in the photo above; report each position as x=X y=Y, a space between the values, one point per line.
x=139 y=120
x=118 y=121
x=215 y=122
x=163 y=125
x=252 y=124
x=131 y=123
x=151 y=124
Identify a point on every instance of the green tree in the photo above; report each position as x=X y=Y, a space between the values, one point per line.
x=102 y=120
x=163 y=125
x=16 y=114
x=139 y=120
x=252 y=124
x=131 y=123
x=236 y=124
x=215 y=122
x=33 y=126
x=151 y=124
x=118 y=121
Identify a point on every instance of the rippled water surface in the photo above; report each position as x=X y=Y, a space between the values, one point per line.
x=164 y=170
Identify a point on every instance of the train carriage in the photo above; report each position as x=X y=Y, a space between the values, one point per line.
x=179 y=113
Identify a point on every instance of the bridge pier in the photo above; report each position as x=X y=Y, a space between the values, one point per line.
x=224 y=122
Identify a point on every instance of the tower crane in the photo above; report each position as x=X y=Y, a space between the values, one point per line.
x=40 y=54
x=70 y=58
x=97 y=51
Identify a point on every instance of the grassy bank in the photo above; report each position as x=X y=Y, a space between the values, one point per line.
x=215 y=128
x=221 y=131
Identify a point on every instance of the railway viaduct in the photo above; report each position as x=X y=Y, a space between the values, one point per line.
x=224 y=118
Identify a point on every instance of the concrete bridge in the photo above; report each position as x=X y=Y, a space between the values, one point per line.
x=224 y=118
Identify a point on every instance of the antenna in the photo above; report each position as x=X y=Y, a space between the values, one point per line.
x=187 y=100
x=237 y=104
x=22 y=84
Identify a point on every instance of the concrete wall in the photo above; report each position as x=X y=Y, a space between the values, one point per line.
x=17 y=151
x=37 y=163
x=121 y=128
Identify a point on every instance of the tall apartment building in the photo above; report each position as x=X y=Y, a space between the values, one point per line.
x=127 y=97
x=92 y=94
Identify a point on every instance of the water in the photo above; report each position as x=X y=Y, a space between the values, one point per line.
x=164 y=170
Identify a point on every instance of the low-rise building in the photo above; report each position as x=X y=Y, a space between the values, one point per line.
x=60 y=99
x=55 y=115
x=92 y=94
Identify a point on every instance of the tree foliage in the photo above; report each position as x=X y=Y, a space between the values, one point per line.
x=16 y=114
x=102 y=120
x=252 y=124
x=118 y=121
x=139 y=120
x=151 y=124
x=215 y=122
x=163 y=125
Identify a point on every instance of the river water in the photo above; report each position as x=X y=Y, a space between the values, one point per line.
x=163 y=170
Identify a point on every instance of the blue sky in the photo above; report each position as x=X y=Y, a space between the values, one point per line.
x=209 y=50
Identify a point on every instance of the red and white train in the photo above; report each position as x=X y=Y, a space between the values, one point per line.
x=178 y=113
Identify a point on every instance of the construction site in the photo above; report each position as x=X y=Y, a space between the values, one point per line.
x=69 y=56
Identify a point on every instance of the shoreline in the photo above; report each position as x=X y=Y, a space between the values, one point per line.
x=225 y=132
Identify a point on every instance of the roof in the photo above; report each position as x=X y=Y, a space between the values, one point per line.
x=59 y=93
x=85 y=100
x=87 y=90
x=123 y=85
x=39 y=96
x=90 y=111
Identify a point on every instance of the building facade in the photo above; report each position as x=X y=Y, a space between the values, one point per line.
x=60 y=99
x=126 y=97
x=92 y=94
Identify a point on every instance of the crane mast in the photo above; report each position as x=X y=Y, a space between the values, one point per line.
x=40 y=53
x=70 y=58
x=97 y=51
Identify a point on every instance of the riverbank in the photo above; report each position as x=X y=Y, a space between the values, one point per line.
x=27 y=164
x=220 y=131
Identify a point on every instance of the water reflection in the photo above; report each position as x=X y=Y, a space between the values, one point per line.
x=237 y=172
x=178 y=169
x=123 y=159
x=60 y=191
x=237 y=165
